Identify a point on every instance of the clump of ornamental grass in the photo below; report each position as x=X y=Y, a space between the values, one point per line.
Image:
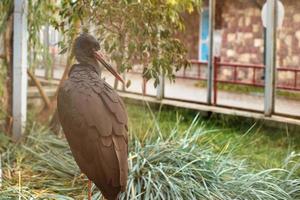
x=161 y=167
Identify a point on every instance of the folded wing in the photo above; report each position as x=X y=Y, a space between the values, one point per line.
x=94 y=120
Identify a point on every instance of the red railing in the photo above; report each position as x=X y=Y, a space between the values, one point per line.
x=255 y=80
x=198 y=71
x=194 y=76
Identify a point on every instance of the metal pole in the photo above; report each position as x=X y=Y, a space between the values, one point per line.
x=210 y=71
x=265 y=45
x=19 y=68
x=270 y=59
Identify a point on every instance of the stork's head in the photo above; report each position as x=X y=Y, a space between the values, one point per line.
x=86 y=49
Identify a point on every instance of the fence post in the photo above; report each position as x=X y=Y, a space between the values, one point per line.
x=144 y=86
x=161 y=87
x=270 y=67
x=19 y=95
x=211 y=52
x=216 y=67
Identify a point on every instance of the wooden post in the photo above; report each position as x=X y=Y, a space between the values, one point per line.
x=270 y=68
x=144 y=87
x=210 y=71
x=19 y=68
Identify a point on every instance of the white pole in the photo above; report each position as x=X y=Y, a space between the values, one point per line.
x=161 y=87
x=270 y=68
x=19 y=68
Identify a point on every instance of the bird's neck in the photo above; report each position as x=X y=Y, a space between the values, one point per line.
x=93 y=63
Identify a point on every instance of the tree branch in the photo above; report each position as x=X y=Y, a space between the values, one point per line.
x=40 y=88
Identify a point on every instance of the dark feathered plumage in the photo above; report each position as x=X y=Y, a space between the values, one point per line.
x=94 y=120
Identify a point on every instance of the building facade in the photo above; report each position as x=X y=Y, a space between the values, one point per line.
x=240 y=30
x=239 y=37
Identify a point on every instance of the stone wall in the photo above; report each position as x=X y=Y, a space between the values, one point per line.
x=242 y=39
x=288 y=49
x=242 y=33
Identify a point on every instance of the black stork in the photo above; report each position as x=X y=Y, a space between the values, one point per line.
x=94 y=120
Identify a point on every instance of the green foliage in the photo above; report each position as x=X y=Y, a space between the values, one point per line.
x=130 y=31
x=40 y=14
x=136 y=31
x=6 y=8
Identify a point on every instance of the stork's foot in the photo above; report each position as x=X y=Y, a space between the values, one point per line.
x=89 y=190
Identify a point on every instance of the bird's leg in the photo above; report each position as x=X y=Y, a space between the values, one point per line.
x=89 y=189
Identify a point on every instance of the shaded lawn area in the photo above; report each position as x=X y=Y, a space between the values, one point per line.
x=261 y=144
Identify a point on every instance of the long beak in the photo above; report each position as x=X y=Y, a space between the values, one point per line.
x=108 y=66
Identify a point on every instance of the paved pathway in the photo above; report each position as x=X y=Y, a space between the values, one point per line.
x=186 y=89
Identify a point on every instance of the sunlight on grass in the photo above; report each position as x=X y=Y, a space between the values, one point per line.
x=262 y=146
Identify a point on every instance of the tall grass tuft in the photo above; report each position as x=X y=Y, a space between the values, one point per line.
x=162 y=166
